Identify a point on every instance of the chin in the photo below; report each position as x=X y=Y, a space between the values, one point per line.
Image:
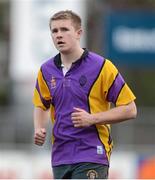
x=64 y=51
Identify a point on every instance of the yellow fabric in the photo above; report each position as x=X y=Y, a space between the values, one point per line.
x=44 y=91
x=125 y=96
x=98 y=100
x=37 y=101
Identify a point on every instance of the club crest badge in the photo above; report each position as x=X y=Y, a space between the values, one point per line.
x=83 y=80
x=53 y=82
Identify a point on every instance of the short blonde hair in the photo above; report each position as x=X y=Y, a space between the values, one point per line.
x=65 y=15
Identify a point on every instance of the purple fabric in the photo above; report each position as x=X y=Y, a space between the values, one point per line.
x=115 y=88
x=74 y=145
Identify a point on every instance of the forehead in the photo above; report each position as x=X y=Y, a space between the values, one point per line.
x=61 y=23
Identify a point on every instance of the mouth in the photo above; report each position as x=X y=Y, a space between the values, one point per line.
x=60 y=43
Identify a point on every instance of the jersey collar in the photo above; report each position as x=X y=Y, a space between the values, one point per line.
x=58 y=62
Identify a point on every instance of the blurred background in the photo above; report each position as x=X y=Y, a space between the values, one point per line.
x=122 y=31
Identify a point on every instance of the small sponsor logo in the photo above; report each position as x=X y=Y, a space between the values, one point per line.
x=99 y=150
x=92 y=174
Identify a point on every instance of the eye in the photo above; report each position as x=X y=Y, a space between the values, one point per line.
x=54 y=30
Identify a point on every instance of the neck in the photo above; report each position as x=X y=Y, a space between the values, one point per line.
x=68 y=59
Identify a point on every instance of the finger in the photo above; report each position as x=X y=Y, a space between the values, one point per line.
x=75 y=122
x=75 y=117
x=77 y=125
x=40 y=134
x=76 y=114
x=36 y=140
x=39 y=144
x=39 y=138
x=78 y=109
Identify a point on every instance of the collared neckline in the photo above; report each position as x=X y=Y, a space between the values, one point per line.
x=58 y=61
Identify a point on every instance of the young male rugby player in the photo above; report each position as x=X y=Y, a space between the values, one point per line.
x=78 y=87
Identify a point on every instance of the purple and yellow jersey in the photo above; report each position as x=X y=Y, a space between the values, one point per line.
x=92 y=83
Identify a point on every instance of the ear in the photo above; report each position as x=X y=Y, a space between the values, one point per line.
x=79 y=33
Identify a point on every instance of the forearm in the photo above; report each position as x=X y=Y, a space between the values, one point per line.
x=40 y=122
x=40 y=118
x=81 y=118
x=115 y=115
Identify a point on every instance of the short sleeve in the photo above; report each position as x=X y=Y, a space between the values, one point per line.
x=41 y=97
x=119 y=92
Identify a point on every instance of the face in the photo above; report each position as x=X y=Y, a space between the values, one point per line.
x=65 y=37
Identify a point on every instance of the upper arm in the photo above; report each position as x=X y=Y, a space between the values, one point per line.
x=118 y=92
x=41 y=97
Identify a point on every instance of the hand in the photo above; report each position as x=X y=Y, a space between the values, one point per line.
x=39 y=136
x=81 y=118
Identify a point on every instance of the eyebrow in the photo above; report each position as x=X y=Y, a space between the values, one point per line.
x=61 y=28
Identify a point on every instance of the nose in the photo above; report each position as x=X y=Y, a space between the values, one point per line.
x=59 y=35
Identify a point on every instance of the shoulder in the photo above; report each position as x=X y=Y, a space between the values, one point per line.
x=95 y=59
x=95 y=56
x=98 y=59
x=109 y=66
x=48 y=63
x=46 y=67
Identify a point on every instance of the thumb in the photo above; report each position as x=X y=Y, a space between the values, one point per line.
x=43 y=130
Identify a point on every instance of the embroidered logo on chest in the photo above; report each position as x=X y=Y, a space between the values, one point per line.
x=82 y=80
x=53 y=82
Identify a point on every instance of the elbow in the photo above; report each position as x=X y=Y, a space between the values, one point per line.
x=133 y=110
x=134 y=114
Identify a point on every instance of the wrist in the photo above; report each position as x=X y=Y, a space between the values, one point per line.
x=95 y=119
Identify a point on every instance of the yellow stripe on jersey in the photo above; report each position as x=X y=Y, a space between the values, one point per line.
x=109 y=73
x=98 y=101
x=44 y=90
x=103 y=133
x=126 y=96
x=99 y=90
x=37 y=101
x=42 y=94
